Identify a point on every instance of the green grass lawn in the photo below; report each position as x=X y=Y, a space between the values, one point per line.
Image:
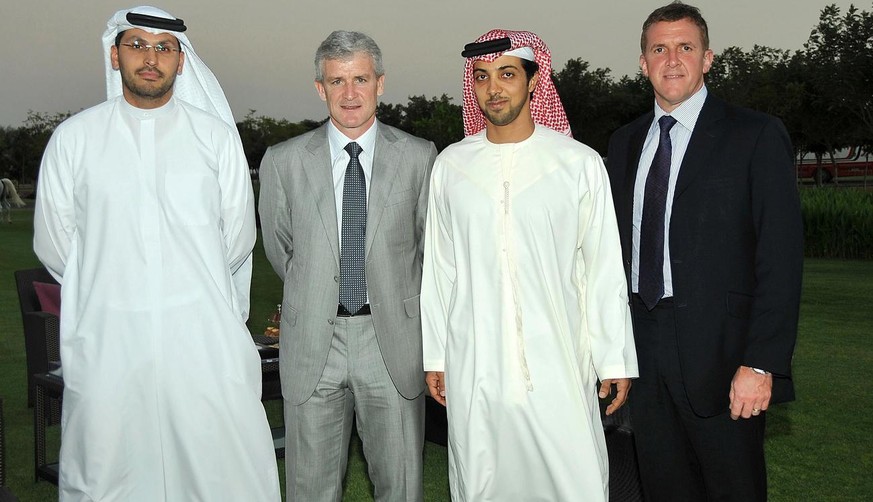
x=818 y=448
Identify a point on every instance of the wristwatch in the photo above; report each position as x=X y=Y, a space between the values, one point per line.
x=760 y=371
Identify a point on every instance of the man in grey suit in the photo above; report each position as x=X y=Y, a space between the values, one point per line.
x=343 y=210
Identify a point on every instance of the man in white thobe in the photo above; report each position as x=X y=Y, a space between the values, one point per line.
x=145 y=215
x=523 y=300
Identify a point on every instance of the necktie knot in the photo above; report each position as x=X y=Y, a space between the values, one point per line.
x=666 y=123
x=354 y=149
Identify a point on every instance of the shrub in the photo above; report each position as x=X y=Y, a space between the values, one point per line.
x=838 y=223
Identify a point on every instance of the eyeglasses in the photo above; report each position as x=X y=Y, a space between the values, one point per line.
x=144 y=48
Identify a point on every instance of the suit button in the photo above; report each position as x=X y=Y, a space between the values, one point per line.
x=330 y=321
x=336 y=278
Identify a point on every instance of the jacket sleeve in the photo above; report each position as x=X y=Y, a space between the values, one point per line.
x=778 y=264
x=275 y=211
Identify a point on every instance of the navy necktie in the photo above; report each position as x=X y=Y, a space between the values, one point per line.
x=651 y=269
x=353 y=282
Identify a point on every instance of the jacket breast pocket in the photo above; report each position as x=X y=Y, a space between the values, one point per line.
x=400 y=197
x=289 y=316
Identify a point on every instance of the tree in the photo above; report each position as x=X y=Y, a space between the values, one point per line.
x=595 y=105
x=839 y=70
x=24 y=146
x=755 y=79
x=258 y=133
x=436 y=119
x=390 y=114
x=6 y=136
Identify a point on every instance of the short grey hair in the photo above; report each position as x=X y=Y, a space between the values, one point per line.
x=343 y=45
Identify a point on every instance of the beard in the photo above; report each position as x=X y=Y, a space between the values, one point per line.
x=145 y=89
x=505 y=116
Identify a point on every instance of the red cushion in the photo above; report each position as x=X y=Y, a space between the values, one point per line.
x=49 y=296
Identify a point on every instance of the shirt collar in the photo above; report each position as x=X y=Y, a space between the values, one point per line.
x=338 y=141
x=148 y=113
x=687 y=112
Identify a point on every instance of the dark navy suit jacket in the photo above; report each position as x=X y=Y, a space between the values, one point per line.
x=736 y=247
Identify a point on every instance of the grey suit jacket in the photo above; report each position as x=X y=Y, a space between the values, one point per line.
x=298 y=217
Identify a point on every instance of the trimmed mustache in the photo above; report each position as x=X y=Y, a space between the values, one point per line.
x=152 y=69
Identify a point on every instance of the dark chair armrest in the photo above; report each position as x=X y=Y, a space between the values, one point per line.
x=42 y=345
x=42 y=339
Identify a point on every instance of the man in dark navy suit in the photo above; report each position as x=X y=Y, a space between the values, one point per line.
x=711 y=231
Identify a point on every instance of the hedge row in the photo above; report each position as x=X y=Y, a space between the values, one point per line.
x=838 y=223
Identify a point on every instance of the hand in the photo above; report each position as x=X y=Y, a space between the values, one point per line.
x=750 y=393
x=436 y=384
x=622 y=387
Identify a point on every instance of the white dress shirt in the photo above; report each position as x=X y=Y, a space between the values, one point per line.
x=340 y=161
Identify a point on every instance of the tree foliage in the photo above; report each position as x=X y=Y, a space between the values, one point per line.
x=595 y=104
x=838 y=64
x=258 y=132
x=437 y=119
x=21 y=148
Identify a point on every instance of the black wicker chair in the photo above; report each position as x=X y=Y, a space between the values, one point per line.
x=624 y=473
x=436 y=423
x=41 y=329
x=42 y=348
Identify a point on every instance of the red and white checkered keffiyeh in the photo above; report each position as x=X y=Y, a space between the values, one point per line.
x=545 y=106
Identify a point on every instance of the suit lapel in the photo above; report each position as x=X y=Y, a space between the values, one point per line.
x=707 y=133
x=385 y=166
x=319 y=172
x=634 y=149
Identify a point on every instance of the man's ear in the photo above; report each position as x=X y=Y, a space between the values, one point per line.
x=181 y=63
x=320 y=88
x=708 y=58
x=113 y=56
x=533 y=82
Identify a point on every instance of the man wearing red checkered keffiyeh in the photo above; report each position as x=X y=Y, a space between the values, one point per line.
x=523 y=299
x=545 y=105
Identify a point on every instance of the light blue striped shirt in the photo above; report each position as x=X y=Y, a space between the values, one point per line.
x=686 y=117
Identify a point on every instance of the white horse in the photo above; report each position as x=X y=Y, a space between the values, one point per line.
x=8 y=198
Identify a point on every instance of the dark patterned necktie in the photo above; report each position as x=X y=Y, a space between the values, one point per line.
x=651 y=270
x=353 y=282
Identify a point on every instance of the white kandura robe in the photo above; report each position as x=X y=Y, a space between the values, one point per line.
x=146 y=217
x=524 y=305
